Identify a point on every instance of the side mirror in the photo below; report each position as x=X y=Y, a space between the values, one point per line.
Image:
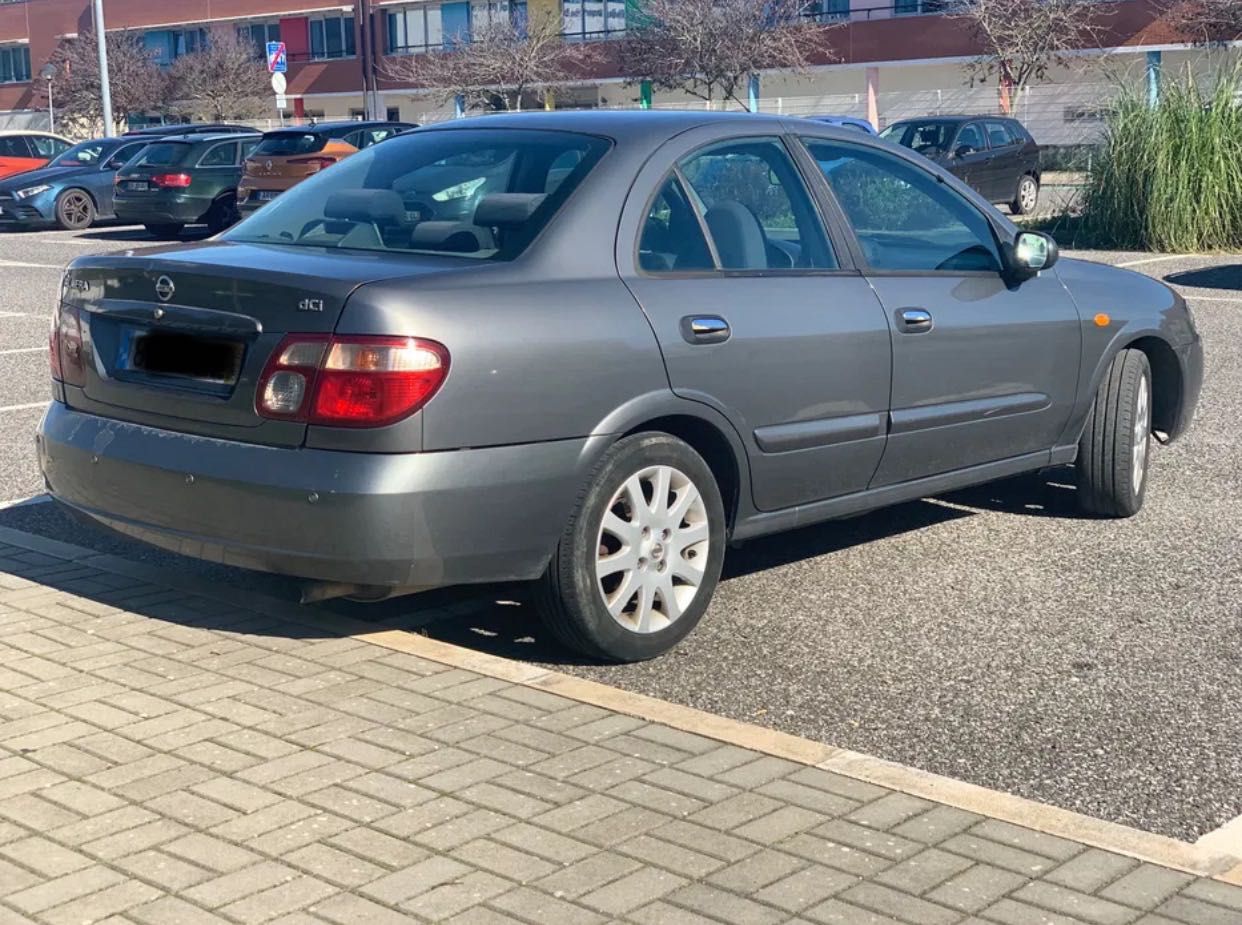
x=963 y=151
x=1033 y=251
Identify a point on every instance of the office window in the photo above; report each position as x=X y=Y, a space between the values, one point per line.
x=188 y=41
x=259 y=34
x=14 y=64
x=415 y=29
x=822 y=10
x=332 y=37
x=593 y=18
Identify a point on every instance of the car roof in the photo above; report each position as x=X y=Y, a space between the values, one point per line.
x=197 y=137
x=957 y=117
x=9 y=132
x=633 y=124
x=192 y=128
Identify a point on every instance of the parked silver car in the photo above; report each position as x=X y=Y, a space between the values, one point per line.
x=588 y=350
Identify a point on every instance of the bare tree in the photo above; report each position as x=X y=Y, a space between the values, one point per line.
x=1022 y=39
x=225 y=79
x=710 y=48
x=1206 y=21
x=138 y=84
x=498 y=65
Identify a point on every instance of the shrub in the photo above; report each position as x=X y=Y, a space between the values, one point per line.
x=1169 y=177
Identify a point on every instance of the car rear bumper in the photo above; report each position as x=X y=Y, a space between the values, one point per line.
x=163 y=210
x=396 y=520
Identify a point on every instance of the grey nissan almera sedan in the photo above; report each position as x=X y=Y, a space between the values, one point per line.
x=589 y=350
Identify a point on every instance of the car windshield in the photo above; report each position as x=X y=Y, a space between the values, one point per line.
x=82 y=154
x=283 y=144
x=480 y=193
x=162 y=154
x=927 y=137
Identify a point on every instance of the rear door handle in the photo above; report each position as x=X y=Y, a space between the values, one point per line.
x=914 y=321
x=705 y=329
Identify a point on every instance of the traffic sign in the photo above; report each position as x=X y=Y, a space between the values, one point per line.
x=279 y=83
x=282 y=102
x=277 y=57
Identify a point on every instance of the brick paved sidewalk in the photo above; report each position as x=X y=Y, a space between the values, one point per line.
x=174 y=759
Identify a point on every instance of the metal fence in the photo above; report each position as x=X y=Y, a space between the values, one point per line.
x=33 y=119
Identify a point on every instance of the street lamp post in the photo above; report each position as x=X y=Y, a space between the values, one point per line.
x=105 y=85
x=48 y=73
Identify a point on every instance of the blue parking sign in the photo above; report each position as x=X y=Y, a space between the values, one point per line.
x=277 y=58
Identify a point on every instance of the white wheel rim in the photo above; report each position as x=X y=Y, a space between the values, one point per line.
x=1142 y=435
x=652 y=549
x=1028 y=194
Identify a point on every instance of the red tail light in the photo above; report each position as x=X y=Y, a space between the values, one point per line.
x=313 y=164
x=349 y=381
x=65 y=347
x=172 y=180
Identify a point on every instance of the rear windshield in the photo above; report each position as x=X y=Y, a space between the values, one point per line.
x=282 y=144
x=162 y=154
x=481 y=193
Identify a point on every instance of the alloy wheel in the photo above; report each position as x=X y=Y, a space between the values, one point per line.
x=652 y=549
x=1028 y=195
x=75 y=210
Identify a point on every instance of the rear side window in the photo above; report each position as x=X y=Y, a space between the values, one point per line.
x=162 y=154
x=47 y=147
x=672 y=239
x=224 y=155
x=905 y=219
x=481 y=193
x=284 y=144
x=756 y=208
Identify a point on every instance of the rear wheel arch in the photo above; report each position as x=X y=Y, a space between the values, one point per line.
x=709 y=441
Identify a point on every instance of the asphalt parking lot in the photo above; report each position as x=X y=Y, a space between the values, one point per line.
x=991 y=635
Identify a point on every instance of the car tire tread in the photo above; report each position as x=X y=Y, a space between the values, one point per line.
x=1105 y=458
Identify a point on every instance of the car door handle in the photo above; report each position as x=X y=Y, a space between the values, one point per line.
x=705 y=329
x=914 y=321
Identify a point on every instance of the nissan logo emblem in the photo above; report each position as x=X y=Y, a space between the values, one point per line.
x=164 y=288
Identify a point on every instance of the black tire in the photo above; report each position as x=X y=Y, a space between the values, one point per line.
x=223 y=214
x=75 y=210
x=1107 y=460
x=165 y=231
x=1025 y=196
x=570 y=598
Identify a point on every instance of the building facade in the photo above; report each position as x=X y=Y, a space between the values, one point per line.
x=882 y=58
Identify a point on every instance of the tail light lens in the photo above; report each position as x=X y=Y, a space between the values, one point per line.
x=350 y=381
x=313 y=164
x=172 y=180
x=65 y=347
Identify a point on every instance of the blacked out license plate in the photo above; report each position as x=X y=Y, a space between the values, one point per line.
x=187 y=356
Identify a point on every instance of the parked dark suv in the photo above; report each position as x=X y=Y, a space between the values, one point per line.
x=994 y=154
x=183 y=180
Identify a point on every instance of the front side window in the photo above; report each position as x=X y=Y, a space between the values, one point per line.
x=905 y=219
x=478 y=193
x=971 y=136
x=756 y=208
x=48 y=147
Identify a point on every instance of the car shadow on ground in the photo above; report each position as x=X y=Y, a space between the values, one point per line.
x=1227 y=276
x=496 y=619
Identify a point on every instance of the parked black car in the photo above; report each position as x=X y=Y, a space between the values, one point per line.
x=994 y=154
x=183 y=180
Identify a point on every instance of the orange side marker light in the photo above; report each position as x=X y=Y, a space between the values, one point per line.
x=1102 y=320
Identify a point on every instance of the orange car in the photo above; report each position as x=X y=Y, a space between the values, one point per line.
x=21 y=150
x=286 y=157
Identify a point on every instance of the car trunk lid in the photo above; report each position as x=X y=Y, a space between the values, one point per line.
x=178 y=337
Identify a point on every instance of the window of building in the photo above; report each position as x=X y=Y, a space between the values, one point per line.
x=188 y=41
x=823 y=10
x=915 y=7
x=14 y=64
x=415 y=29
x=487 y=12
x=332 y=37
x=594 y=19
x=259 y=34
x=167 y=45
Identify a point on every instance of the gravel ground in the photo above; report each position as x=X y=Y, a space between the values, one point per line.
x=990 y=635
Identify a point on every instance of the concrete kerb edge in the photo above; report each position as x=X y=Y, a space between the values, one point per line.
x=1049 y=820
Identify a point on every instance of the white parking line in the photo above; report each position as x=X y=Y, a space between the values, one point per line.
x=27 y=407
x=1212 y=298
x=5 y=353
x=14 y=314
x=37 y=266
x=1139 y=263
